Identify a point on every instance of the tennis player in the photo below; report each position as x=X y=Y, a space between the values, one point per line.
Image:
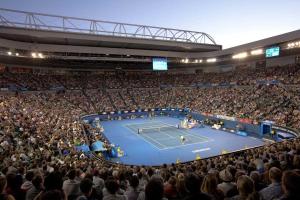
x=182 y=138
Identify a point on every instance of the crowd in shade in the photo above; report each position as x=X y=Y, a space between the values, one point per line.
x=40 y=125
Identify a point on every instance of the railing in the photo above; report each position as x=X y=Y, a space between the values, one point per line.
x=39 y=21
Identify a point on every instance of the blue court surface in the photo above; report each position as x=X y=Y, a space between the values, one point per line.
x=158 y=141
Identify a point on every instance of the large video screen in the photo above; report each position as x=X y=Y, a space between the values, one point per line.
x=272 y=52
x=160 y=64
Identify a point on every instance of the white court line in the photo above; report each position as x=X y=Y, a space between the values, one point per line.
x=171 y=147
x=164 y=146
x=158 y=124
x=169 y=135
x=200 y=150
x=187 y=133
x=130 y=124
x=164 y=139
x=198 y=136
x=167 y=148
x=143 y=138
x=184 y=145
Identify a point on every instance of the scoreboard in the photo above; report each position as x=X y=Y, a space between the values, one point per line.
x=160 y=64
x=272 y=52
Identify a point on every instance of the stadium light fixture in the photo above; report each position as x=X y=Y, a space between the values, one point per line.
x=240 y=55
x=211 y=60
x=40 y=55
x=33 y=54
x=198 y=61
x=292 y=45
x=257 y=52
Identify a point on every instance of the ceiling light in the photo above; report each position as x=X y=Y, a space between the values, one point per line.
x=210 y=60
x=33 y=54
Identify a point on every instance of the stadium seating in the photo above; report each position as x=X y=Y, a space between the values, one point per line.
x=40 y=125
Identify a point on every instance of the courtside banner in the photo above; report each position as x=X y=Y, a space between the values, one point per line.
x=225 y=117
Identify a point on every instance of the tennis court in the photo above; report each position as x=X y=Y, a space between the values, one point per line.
x=159 y=141
x=165 y=136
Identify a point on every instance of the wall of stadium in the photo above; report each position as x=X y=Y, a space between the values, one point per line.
x=287 y=60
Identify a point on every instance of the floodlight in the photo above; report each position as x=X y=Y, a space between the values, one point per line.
x=40 y=55
x=240 y=55
x=33 y=54
x=257 y=52
x=211 y=60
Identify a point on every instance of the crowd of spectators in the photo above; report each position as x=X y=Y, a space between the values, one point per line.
x=40 y=127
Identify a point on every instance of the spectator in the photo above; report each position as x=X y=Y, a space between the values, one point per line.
x=111 y=189
x=227 y=186
x=28 y=178
x=86 y=187
x=37 y=183
x=133 y=191
x=154 y=189
x=170 y=191
x=209 y=186
x=291 y=185
x=246 y=189
x=180 y=186
x=274 y=189
x=258 y=184
x=3 y=195
x=98 y=182
x=71 y=186
x=193 y=184
x=53 y=194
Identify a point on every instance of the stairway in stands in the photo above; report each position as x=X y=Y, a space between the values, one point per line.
x=89 y=100
x=110 y=99
x=152 y=98
x=123 y=99
x=132 y=99
x=170 y=97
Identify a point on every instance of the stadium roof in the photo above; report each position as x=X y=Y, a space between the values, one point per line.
x=30 y=20
x=37 y=36
x=94 y=44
